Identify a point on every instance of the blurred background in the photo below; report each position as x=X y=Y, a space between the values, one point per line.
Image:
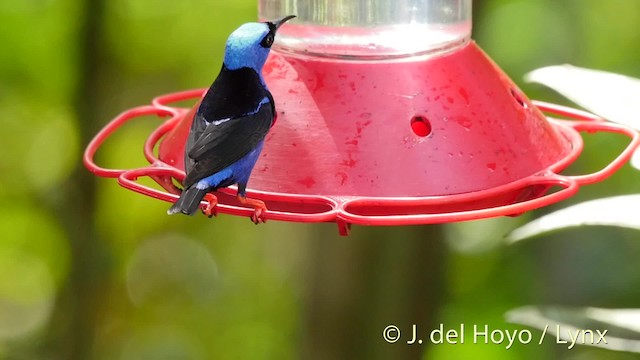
x=89 y=270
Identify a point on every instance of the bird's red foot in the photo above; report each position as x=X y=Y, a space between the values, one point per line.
x=211 y=209
x=259 y=208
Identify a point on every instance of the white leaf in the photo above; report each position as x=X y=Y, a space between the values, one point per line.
x=635 y=160
x=621 y=211
x=557 y=323
x=612 y=96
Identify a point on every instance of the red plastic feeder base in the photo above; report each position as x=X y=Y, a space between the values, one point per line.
x=417 y=141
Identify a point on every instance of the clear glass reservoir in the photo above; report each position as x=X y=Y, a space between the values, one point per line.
x=370 y=29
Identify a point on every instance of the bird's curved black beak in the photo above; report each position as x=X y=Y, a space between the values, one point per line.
x=280 y=22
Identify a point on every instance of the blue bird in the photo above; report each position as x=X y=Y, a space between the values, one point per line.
x=229 y=127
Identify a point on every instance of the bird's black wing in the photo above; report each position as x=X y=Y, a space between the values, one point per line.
x=214 y=147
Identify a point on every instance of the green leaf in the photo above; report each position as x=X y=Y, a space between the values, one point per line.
x=619 y=211
x=620 y=327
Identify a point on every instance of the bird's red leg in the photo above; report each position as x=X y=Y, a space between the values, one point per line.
x=211 y=209
x=258 y=208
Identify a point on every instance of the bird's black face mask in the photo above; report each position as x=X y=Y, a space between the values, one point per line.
x=267 y=41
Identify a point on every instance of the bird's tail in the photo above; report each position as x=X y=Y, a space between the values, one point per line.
x=188 y=202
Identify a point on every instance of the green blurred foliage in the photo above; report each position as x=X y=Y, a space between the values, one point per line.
x=136 y=284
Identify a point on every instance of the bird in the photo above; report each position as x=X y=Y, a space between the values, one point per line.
x=229 y=127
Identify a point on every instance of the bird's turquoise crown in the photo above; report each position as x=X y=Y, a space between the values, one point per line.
x=249 y=45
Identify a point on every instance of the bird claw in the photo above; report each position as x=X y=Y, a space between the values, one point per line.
x=211 y=209
x=258 y=215
x=259 y=208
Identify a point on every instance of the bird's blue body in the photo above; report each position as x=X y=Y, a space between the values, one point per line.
x=236 y=173
x=229 y=127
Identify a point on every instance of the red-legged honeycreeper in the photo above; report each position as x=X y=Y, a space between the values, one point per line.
x=230 y=125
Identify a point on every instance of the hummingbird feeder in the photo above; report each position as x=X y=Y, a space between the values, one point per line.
x=387 y=114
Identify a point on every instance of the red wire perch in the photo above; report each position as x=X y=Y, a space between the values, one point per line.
x=510 y=199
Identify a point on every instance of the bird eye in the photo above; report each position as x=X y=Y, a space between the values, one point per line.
x=267 y=41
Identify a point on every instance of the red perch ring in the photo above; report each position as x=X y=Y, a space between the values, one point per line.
x=415 y=141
